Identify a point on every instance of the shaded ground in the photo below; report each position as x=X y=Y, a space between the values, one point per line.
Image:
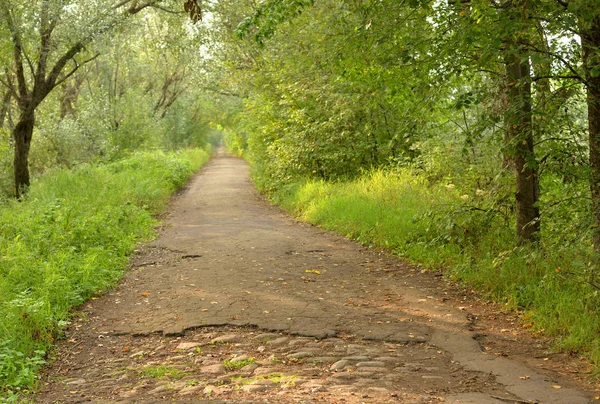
x=237 y=302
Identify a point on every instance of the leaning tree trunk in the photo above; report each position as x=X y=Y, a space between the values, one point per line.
x=519 y=135
x=22 y=135
x=591 y=53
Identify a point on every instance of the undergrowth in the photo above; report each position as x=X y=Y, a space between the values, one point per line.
x=471 y=235
x=69 y=240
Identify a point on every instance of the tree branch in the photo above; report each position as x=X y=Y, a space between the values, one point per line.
x=77 y=66
x=573 y=77
x=17 y=52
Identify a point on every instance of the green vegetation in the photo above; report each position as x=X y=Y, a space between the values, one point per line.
x=160 y=371
x=275 y=377
x=232 y=364
x=68 y=240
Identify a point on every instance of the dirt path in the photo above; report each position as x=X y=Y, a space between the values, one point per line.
x=239 y=303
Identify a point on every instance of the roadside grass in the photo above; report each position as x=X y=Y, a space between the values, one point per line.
x=69 y=240
x=439 y=226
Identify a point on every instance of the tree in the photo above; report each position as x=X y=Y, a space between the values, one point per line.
x=518 y=119
x=589 y=21
x=47 y=41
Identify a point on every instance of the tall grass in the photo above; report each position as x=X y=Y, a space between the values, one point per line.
x=69 y=240
x=472 y=238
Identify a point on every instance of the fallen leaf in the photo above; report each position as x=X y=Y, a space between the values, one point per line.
x=524 y=377
x=145 y=294
x=313 y=271
x=126 y=349
x=556 y=386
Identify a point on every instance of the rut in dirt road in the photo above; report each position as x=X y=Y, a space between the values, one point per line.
x=353 y=325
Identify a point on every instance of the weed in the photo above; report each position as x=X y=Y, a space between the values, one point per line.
x=160 y=371
x=232 y=364
x=278 y=378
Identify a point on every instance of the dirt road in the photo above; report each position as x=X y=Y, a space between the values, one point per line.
x=237 y=302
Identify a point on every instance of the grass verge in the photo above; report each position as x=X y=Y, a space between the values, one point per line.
x=69 y=240
x=437 y=226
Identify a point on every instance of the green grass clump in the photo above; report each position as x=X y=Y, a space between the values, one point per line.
x=232 y=364
x=161 y=371
x=70 y=239
x=472 y=236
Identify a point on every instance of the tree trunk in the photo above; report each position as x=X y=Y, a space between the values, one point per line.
x=22 y=135
x=4 y=107
x=519 y=135
x=591 y=52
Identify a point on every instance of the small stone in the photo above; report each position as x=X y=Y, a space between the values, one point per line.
x=254 y=388
x=359 y=358
x=250 y=368
x=212 y=390
x=373 y=369
x=264 y=382
x=217 y=369
x=312 y=384
x=354 y=349
x=387 y=359
x=370 y=364
x=128 y=394
x=224 y=339
x=186 y=391
x=123 y=377
x=184 y=346
x=324 y=359
x=379 y=390
x=339 y=365
x=301 y=355
x=177 y=358
x=77 y=382
x=179 y=385
x=159 y=389
x=278 y=341
x=239 y=358
x=267 y=336
x=264 y=371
